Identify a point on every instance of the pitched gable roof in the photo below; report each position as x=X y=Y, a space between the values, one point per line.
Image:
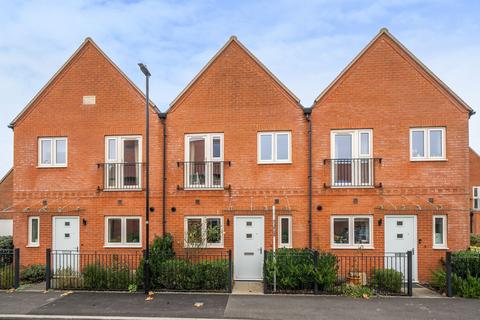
x=385 y=32
x=233 y=39
x=87 y=41
x=6 y=175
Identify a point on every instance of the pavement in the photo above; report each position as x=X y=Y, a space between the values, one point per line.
x=108 y=305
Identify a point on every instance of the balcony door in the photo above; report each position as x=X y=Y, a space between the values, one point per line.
x=123 y=162
x=352 y=163
x=204 y=160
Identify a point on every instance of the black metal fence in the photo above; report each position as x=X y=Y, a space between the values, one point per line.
x=355 y=172
x=92 y=271
x=307 y=271
x=462 y=274
x=193 y=272
x=101 y=271
x=122 y=176
x=9 y=268
x=203 y=174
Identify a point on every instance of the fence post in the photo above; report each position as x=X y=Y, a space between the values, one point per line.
x=409 y=274
x=265 y=285
x=315 y=267
x=16 y=281
x=448 y=272
x=230 y=272
x=48 y=269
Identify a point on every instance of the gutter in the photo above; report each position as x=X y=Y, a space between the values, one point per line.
x=308 y=112
x=163 y=119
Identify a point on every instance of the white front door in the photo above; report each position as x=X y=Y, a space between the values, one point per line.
x=248 y=248
x=400 y=237
x=66 y=243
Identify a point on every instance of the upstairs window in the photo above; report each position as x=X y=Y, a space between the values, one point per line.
x=274 y=147
x=52 y=152
x=123 y=167
x=476 y=198
x=427 y=144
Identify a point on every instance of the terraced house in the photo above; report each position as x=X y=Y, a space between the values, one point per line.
x=378 y=164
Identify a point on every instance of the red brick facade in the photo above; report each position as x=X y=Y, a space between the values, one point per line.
x=385 y=90
x=474 y=182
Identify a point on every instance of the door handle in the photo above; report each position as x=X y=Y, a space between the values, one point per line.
x=261 y=250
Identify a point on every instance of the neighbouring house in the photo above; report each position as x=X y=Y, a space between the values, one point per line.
x=475 y=192
x=378 y=165
x=6 y=193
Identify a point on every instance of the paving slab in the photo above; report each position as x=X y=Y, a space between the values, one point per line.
x=248 y=287
x=25 y=302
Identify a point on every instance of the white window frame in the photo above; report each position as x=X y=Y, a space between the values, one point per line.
x=123 y=243
x=119 y=154
x=53 y=143
x=209 y=137
x=426 y=144
x=30 y=242
x=204 y=243
x=351 y=232
x=274 y=159
x=444 y=230
x=356 y=154
x=476 y=188
x=280 y=243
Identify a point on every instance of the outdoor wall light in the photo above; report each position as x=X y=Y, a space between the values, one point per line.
x=228 y=222
x=84 y=221
x=380 y=222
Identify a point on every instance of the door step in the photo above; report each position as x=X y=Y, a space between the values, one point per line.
x=247 y=287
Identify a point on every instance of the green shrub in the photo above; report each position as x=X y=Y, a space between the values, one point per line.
x=468 y=287
x=295 y=270
x=357 y=291
x=160 y=250
x=33 y=273
x=466 y=263
x=387 y=280
x=439 y=280
x=67 y=278
x=6 y=244
x=475 y=240
x=99 y=277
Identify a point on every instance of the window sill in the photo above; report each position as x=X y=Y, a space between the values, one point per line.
x=275 y=162
x=352 y=187
x=205 y=189
x=207 y=247
x=440 y=248
x=123 y=246
x=32 y=246
x=122 y=190
x=349 y=247
x=51 y=167
x=428 y=160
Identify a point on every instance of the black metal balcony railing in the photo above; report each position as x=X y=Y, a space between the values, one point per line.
x=358 y=172
x=203 y=174
x=122 y=176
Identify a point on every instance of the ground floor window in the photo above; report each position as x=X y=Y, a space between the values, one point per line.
x=351 y=231
x=123 y=231
x=440 y=231
x=33 y=231
x=203 y=232
x=285 y=231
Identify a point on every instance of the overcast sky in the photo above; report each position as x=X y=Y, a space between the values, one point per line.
x=305 y=43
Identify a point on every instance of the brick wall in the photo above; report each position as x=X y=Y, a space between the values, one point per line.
x=6 y=195
x=474 y=181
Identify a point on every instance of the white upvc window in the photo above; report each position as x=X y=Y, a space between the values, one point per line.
x=33 y=231
x=440 y=231
x=203 y=165
x=476 y=198
x=274 y=147
x=427 y=144
x=123 y=162
x=352 y=162
x=203 y=232
x=351 y=232
x=52 y=152
x=123 y=231
x=284 y=231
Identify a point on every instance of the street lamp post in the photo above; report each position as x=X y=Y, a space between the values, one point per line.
x=146 y=266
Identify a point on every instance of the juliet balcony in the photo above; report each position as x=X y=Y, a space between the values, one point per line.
x=203 y=175
x=352 y=173
x=122 y=176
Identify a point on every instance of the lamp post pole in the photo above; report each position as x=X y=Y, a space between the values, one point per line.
x=146 y=266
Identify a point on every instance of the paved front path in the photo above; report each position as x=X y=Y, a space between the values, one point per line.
x=217 y=306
